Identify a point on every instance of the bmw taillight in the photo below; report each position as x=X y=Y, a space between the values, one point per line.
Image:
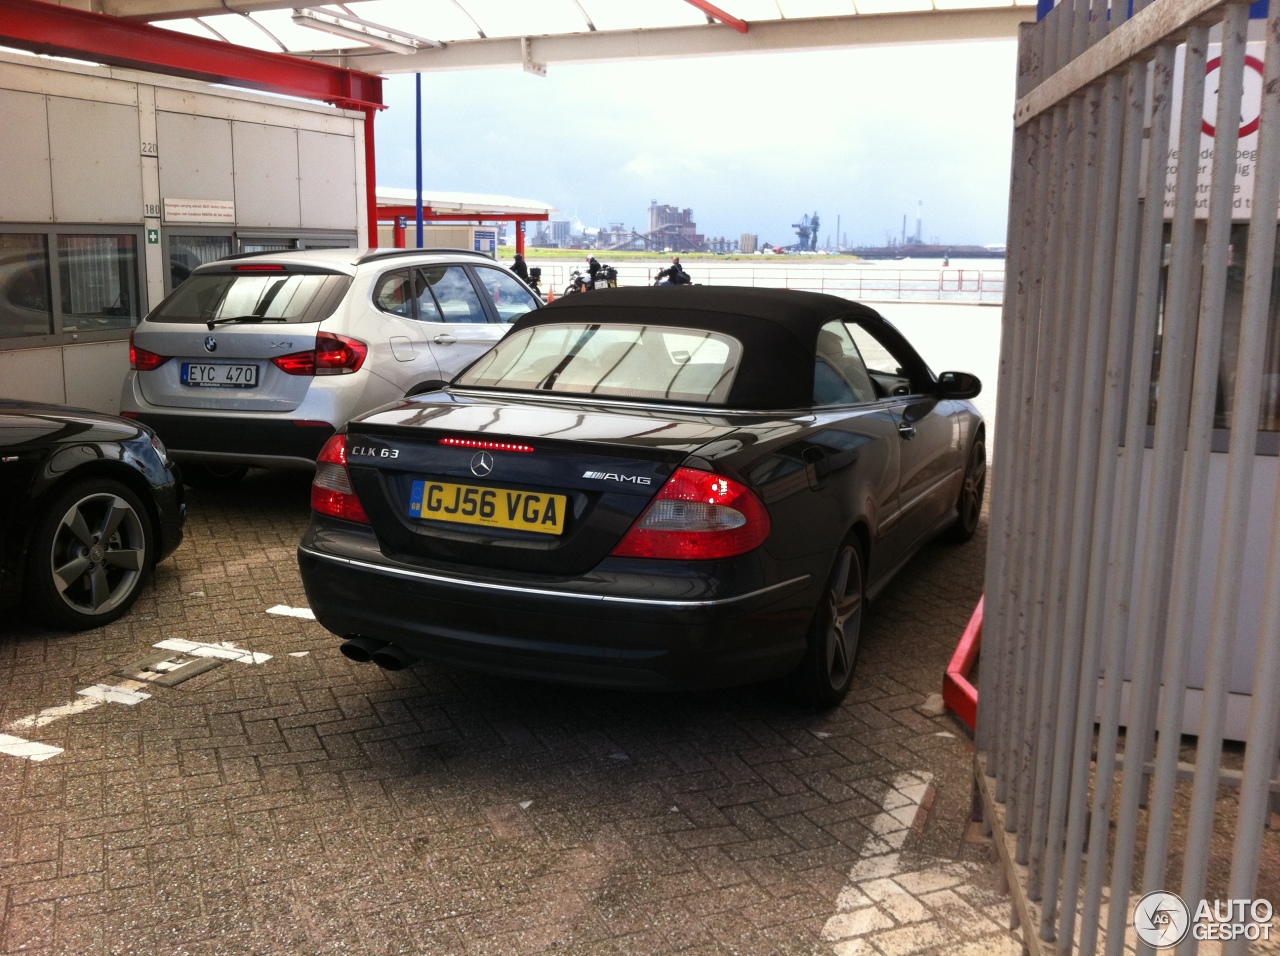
x=333 y=355
x=331 y=491
x=143 y=361
x=697 y=516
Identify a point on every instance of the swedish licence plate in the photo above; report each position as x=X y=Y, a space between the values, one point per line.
x=220 y=375
x=489 y=507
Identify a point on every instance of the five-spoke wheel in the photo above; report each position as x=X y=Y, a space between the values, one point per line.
x=825 y=673
x=93 y=547
x=972 y=491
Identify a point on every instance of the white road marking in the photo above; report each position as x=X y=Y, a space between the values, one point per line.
x=28 y=749
x=893 y=906
x=90 y=697
x=121 y=694
x=525 y=804
x=285 y=611
x=50 y=714
x=299 y=653
x=226 y=650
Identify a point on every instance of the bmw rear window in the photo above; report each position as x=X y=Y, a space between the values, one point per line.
x=272 y=296
x=661 y=363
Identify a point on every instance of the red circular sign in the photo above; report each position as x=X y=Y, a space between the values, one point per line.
x=1250 y=63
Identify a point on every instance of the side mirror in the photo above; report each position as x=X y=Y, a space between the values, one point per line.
x=958 y=385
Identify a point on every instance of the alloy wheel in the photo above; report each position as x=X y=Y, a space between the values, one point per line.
x=844 y=612
x=975 y=483
x=98 y=554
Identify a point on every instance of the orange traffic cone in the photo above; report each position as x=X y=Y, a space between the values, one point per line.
x=551 y=293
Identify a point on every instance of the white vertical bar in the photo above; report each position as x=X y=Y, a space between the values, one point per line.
x=1264 y=718
x=1089 y=447
x=1195 y=477
x=1177 y=352
x=1108 y=432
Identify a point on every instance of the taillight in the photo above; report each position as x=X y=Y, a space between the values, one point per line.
x=333 y=355
x=697 y=516
x=143 y=361
x=331 y=491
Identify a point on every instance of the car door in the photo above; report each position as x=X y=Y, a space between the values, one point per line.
x=405 y=356
x=854 y=451
x=454 y=318
x=930 y=458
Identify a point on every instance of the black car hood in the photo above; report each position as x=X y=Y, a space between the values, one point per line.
x=33 y=423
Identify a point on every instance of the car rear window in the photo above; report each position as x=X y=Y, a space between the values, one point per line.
x=662 y=363
x=276 y=296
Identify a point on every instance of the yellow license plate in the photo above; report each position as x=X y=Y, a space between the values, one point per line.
x=489 y=507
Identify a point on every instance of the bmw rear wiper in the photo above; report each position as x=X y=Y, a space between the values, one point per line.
x=228 y=320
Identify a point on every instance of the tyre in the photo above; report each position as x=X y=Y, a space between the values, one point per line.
x=92 y=549
x=201 y=475
x=826 y=671
x=972 y=491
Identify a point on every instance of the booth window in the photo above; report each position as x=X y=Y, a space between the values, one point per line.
x=99 y=282
x=25 y=300
x=187 y=252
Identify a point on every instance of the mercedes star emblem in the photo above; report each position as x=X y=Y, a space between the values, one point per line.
x=210 y=344
x=481 y=464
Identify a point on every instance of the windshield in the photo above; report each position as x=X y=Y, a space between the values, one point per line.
x=624 y=361
x=275 y=297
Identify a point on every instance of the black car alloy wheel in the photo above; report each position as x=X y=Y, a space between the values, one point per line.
x=91 y=551
x=969 y=507
x=827 y=670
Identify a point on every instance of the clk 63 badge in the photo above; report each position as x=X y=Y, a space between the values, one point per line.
x=364 y=451
x=489 y=507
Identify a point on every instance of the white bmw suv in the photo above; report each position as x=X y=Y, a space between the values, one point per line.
x=256 y=360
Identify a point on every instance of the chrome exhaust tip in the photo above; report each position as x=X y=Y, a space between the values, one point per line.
x=360 y=649
x=391 y=658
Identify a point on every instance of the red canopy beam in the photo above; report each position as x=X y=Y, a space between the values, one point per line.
x=40 y=27
x=716 y=13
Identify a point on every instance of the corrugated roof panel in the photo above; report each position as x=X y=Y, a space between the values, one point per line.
x=241 y=31
x=796 y=9
x=519 y=18
x=617 y=15
x=433 y=19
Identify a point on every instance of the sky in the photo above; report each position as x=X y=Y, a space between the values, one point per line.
x=749 y=142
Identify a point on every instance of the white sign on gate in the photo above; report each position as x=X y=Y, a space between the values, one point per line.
x=1246 y=151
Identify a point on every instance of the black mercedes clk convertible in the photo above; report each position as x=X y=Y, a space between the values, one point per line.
x=647 y=488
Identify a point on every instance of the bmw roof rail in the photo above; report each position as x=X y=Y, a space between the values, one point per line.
x=373 y=254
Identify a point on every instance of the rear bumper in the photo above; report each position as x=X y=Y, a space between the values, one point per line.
x=268 y=443
x=597 y=638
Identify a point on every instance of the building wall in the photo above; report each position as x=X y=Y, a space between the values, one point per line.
x=96 y=163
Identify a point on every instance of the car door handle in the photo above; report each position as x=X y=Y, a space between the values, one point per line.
x=907 y=430
x=444 y=339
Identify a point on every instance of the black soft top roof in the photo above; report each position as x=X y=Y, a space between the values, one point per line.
x=778 y=329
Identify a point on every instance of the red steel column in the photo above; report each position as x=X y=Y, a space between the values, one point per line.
x=519 y=237
x=370 y=176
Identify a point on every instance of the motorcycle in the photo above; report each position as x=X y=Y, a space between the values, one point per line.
x=578 y=282
x=668 y=277
x=535 y=281
x=606 y=277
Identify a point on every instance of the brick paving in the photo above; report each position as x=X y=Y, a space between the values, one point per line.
x=307 y=804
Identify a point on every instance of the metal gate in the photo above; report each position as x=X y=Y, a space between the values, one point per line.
x=1080 y=757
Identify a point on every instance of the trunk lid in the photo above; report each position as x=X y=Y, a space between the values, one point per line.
x=234 y=347
x=594 y=468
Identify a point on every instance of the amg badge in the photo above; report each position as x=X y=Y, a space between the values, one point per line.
x=612 y=476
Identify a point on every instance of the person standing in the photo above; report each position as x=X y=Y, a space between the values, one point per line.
x=519 y=268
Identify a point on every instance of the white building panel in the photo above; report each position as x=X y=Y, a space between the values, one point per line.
x=27 y=195
x=195 y=157
x=327 y=181
x=96 y=161
x=266 y=165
